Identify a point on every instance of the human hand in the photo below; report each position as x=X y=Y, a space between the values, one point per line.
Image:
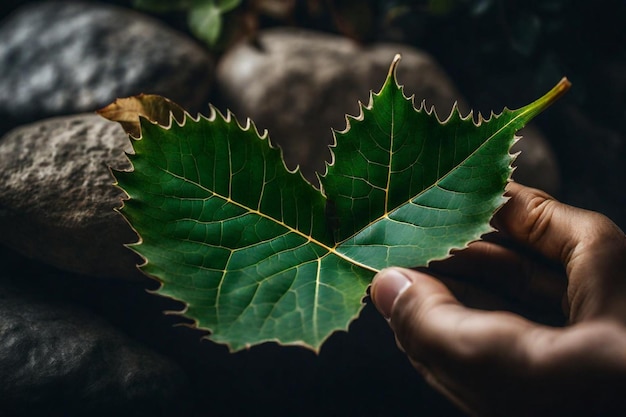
x=493 y=363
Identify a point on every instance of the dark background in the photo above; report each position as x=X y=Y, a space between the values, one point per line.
x=497 y=53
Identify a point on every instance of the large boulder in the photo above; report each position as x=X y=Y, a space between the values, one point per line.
x=57 y=197
x=59 y=58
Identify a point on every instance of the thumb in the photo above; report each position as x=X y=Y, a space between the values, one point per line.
x=425 y=316
x=498 y=363
x=447 y=342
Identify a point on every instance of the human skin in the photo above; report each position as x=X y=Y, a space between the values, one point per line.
x=498 y=363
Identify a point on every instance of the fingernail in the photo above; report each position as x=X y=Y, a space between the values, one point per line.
x=387 y=285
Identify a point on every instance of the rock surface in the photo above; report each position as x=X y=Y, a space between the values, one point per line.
x=299 y=84
x=57 y=197
x=59 y=58
x=61 y=360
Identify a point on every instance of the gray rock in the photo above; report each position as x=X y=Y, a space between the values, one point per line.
x=299 y=84
x=59 y=58
x=60 y=360
x=57 y=197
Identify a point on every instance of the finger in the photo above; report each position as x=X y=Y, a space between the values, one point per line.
x=451 y=342
x=554 y=229
x=537 y=220
x=411 y=300
x=591 y=248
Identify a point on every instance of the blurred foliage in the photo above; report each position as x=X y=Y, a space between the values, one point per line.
x=220 y=23
x=204 y=17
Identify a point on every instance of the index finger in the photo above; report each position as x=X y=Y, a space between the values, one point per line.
x=591 y=248
x=537 y=220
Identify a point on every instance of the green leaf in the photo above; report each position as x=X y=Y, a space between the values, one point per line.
x=408 y=188
x=258 y=254
x=205 y=21
x=204 y=16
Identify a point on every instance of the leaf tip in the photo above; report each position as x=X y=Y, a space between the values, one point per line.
x=557 y=92
x=394 y=65
x=539 y=105
x=563 y=85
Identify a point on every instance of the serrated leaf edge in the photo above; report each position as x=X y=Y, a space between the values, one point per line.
x=535 y=107
x=229 y=117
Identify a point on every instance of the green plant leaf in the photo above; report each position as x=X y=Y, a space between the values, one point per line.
x=205 y=21
x=204 y=16
x=407 y=188
x=257 y=254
